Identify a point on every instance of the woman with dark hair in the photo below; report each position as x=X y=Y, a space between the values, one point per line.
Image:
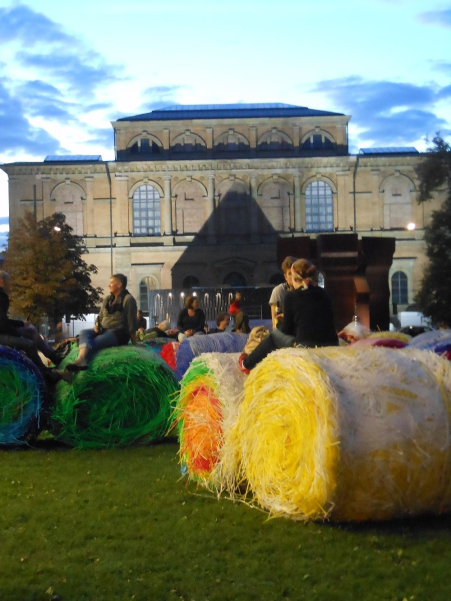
x=191 y=319
x=308 y=318
x=115 y=324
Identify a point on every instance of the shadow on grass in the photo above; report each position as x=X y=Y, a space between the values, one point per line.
x=424 y=525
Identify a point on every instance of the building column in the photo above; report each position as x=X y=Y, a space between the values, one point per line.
x=211 y=226
x=90 y=221
x=46 y=204
x=297 y=203
x=167 y=206
x=122 y=202
x=254 y=210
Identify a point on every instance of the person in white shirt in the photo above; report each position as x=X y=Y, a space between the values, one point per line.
x=280 y=291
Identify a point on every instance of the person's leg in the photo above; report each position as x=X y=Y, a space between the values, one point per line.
x=31 y=333
x=275 y=340
x=282 y=340
x=259 y=353
x=27 y=346
x=90 y=343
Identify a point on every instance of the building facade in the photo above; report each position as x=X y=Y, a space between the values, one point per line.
x=199 y=195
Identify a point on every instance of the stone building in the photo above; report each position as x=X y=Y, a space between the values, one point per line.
x=198 y=195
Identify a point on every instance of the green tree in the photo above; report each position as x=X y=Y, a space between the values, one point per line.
x=434 y=296
x=48 y=274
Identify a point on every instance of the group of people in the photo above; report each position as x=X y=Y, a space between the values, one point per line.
x=306 y=319
x=301 y=314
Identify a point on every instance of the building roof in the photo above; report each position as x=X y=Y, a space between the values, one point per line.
x=390 y=150
x=228 y=111
x=72 y=158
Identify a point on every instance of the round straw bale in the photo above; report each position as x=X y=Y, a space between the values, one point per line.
x=346 y=433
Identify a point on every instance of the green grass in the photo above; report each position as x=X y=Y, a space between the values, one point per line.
x=120 y=525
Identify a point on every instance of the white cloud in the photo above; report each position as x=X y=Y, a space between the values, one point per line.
x=4 y=229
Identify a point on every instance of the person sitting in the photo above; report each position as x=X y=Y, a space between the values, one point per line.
x=191 y=319
x=308 y=318
x=241 y=320
x=23 y=336
x=279 y=293
x=161 y=330
x=222 y=322
x=115 y=324
x=141 y=321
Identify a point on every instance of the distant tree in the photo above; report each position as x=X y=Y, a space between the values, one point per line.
x=48 y=274
x=434 y=296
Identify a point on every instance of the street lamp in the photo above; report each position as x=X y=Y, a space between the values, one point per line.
x=411 y=226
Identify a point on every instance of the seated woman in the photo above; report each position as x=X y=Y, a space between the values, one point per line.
x=191 y=319
x=115 y=325
x=308 y=318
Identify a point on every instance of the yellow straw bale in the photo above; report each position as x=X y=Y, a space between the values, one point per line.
x=346 y=433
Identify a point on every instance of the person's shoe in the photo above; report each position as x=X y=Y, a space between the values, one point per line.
x=76 y=367
x=65 y=375
x=52 y=376
x=56 y=359
x=241 y=358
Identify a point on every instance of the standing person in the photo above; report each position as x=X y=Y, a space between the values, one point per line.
x=308 y=318
x=20 y=335
x=115 y=324
x=279 y=293
x=141 y=321
x=191 y=319
x=222 y=322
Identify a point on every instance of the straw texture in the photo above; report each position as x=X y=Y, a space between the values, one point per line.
x=211 y=392
x=22 y=390
x=124 y=398
x=346 y=434
x=210 y=343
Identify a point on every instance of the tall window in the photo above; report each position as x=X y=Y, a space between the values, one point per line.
x=319 y=207
x=146 y=211
x=146 y=285
x=399 y=290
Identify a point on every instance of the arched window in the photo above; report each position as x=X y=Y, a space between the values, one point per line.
x=190 y=282
x=234 y=280
x=399 y=289
x=318 y=140
x=319 y=207
x=146 y=285
x=146 y=211
x=144 y=146
x=274 y=140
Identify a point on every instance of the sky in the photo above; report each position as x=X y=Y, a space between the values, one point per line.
x=67 y=69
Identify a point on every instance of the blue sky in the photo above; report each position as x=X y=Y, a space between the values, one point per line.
x=69 y=68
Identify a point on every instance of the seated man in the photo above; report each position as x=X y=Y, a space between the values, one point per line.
x=20 y=335
x=115 y=325
x=222 y=322
x=141 y=321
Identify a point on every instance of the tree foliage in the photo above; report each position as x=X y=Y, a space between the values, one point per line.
x=48 y=273
x=434 y=296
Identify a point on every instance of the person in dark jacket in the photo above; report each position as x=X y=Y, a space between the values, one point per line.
x=191 y=319
x=308 y=318
x=222 y=323
x=20 y=335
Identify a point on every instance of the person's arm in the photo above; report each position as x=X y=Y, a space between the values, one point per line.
x=275 y=299
x=180 y=324
x=131 y=310
x=289 y=324
x=8 y=326
x=200 y=321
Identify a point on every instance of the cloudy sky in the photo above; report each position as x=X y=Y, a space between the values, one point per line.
x=69 y=68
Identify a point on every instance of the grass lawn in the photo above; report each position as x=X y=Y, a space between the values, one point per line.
x=119 y=524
